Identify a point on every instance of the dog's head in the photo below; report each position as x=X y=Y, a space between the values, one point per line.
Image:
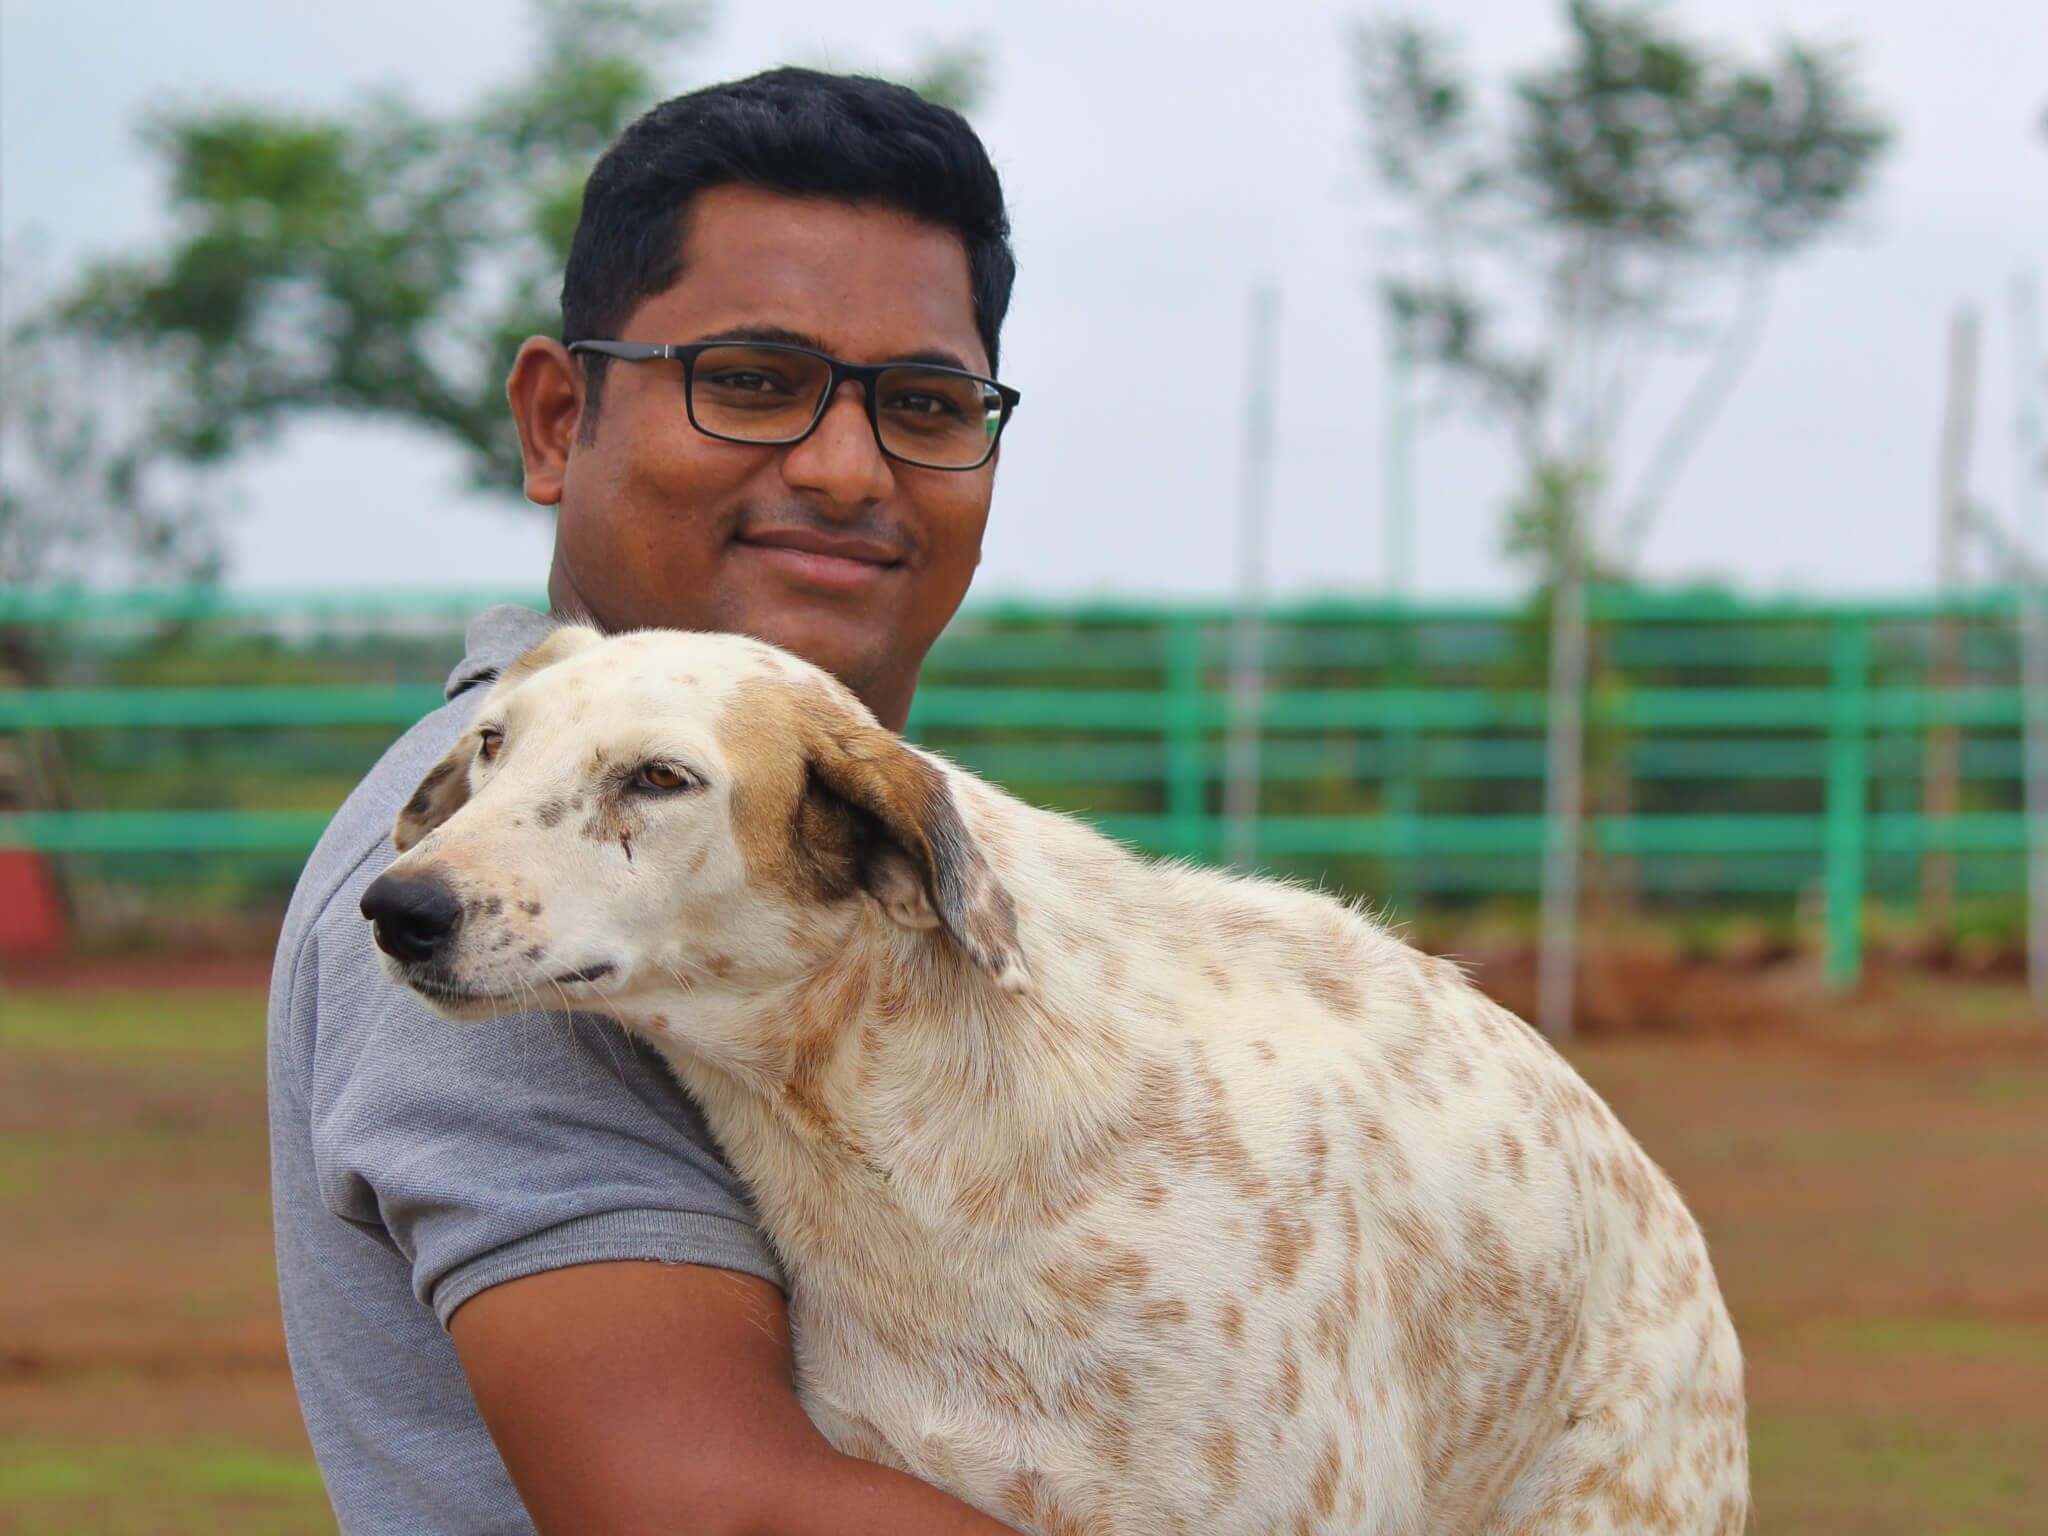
x=634 y=817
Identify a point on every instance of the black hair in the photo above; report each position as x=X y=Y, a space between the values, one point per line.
x=799 y=132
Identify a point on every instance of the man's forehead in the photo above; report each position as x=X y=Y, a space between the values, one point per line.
x=861 y=280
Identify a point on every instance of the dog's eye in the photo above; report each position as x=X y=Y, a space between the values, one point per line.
x=488 y=744
x=660 y=776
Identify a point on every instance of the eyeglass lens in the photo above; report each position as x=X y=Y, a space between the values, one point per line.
x=768 y=394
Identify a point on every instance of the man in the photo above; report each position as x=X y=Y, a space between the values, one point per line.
x=519 y=1283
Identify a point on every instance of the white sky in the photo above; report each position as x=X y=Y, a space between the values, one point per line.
x=1160 y=158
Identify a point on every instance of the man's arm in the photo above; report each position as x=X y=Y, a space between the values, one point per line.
x=637 y=1397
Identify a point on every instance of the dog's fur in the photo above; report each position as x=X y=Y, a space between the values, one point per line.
x=1113 y=1197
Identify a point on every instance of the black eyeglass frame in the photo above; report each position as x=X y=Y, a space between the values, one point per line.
x=866 y=374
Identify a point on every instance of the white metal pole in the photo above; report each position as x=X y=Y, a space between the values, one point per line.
x=1558 y=946
x=1940 y=795
x=2030 y=467
x=1399 y=457
x=1248 y=640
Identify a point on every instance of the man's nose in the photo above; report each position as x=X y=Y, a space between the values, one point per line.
x=841 y=459
x=413 y=919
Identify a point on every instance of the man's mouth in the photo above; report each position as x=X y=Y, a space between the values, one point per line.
x=840 y=562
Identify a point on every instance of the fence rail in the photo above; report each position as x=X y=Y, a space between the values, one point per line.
x=1745 y=748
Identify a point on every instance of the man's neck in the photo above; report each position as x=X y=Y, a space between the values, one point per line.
x=888 y=700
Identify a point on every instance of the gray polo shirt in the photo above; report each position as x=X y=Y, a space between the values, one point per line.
x=415 y=1162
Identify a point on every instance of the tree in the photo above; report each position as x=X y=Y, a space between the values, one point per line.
x=84 y=497
x=381 y=262
x=1631 y=177
x=1630 y=184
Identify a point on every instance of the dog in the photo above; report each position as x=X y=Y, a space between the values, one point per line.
x=1112 y=1196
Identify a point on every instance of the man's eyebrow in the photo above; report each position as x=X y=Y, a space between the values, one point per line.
x=783 y=336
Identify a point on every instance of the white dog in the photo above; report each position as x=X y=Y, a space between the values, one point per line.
x=1113 y=1196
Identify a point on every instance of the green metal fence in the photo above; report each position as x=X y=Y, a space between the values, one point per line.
x=1736 y=750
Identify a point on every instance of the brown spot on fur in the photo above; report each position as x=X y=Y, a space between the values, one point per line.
x=1086 y=1282
x=1286 y=1240
x=1219 y=1451
x=1287 y=1390
x=1232 y=1319
x=549 y=813
x=1323 y=1491
x=613 y=821
x=530 y=908
x=1263 y=1049
x=1334 y=990
x=1317 y=1151
x=533 y=953
x=1169 y=1313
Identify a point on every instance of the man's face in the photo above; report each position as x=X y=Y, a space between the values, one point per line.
x=827 y=547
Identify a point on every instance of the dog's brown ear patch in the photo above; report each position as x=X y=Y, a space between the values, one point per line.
x=828 y=802
x=443 y=792
x=910 y=800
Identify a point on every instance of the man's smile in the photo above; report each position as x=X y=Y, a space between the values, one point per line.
x=841 y=562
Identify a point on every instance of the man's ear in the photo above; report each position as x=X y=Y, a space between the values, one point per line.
x=546 y=392
x=445 y=789
x=921 y=864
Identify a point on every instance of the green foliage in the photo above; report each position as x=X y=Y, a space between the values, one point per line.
x=1621 y=189
x=382 y=262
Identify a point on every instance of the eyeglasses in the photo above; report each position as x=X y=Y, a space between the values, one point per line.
x=772 y=394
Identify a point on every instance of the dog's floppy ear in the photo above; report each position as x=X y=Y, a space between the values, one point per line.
x=445 y=789
x=929 y=870
x=443 y=792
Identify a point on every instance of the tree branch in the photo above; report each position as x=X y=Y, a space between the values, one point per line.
x=1709 y=393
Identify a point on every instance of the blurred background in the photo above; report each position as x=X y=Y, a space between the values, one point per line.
x=1569 y=475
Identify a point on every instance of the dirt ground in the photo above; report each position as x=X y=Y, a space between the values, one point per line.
x=1872 y=1176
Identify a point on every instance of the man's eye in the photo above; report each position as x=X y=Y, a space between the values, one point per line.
x=923 y=405
x=488 y=743
x=747 y=383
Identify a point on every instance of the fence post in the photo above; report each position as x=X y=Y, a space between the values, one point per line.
x=1187 y=767
x=1848 y=799
x=1400 y=794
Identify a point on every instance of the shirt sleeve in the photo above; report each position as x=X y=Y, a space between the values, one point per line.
x=483 y=1152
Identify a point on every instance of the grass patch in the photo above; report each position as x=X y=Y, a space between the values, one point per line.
x=1940 y=1338
x=125 y=1024
x=2003 y=1087
x=1817 y=1473
x=113 y=1490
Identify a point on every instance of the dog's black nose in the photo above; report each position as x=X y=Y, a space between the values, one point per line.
x=413 y=919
